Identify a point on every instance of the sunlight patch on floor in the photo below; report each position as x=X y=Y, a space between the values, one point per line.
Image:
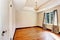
x=49 y=36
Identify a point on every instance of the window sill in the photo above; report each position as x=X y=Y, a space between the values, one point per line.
x=48 y=24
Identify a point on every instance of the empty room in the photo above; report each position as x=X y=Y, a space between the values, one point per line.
x=29 y=19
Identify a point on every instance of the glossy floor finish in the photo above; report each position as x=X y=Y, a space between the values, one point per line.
x=34 y=33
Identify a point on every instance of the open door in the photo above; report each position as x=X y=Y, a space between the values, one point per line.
x=0 y=27
x=4 y=19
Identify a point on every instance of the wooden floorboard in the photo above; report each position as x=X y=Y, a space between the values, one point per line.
x=33 y=33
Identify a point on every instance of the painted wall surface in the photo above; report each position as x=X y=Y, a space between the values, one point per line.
x=26 y=18
x=40 y=19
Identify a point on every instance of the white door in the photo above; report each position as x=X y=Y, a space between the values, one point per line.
x=4 y=19
x=0 y=26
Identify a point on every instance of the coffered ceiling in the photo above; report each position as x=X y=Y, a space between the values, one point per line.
x=19 y=4
x=31 y=3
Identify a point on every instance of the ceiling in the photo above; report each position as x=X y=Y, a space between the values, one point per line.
x=19 y=4
x=31 y=3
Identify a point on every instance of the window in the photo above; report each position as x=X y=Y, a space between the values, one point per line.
x=50 y=18
x=47 y=18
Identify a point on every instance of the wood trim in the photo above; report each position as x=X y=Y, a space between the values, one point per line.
x=14 y=34
x=33 y=27
x=40 y=26
x=59 y=32
x=26 y=27
x=48 y=29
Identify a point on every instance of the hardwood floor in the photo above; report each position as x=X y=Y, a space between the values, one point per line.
x=34 y=33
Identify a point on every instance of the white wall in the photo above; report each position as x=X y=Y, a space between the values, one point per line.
x=25 y=18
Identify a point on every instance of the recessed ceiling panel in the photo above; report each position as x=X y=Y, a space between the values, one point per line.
x=31 y=3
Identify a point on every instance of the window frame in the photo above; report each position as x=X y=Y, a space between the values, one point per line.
x=51 y=21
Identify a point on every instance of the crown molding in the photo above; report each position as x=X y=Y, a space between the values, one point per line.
x=49 y=5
